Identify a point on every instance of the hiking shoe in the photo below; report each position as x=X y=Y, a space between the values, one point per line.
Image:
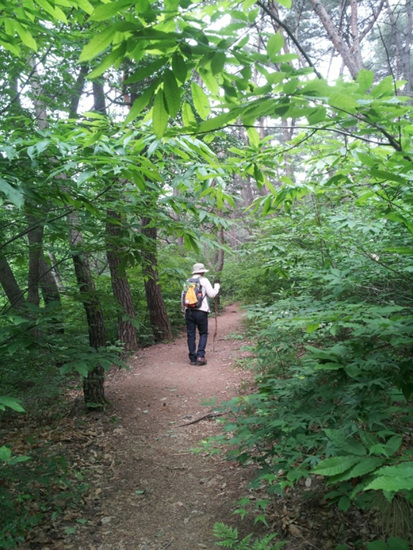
x=201 y=361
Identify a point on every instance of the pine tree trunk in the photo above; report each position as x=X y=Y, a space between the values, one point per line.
x=158 y=315
x=93 y=384
x=120 y=285
x=10 y=285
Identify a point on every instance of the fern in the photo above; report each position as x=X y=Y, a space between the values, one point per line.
x=230 y=539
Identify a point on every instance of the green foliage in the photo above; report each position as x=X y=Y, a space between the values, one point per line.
x=33 y=491
x=333 y=344
x=229 y=538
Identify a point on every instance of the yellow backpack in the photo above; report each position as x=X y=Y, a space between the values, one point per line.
x=192 y=295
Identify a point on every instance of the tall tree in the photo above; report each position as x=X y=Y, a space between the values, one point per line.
x=158 y=314
x=117 y=262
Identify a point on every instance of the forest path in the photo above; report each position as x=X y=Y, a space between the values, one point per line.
x=157 y=493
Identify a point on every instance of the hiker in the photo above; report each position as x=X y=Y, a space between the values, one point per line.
x=198 y=316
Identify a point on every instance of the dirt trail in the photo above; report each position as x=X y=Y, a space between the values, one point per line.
x=156 y=493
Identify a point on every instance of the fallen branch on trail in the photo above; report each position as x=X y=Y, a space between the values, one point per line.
x=208 y=416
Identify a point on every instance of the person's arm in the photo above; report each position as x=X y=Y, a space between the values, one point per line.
x=210 y=291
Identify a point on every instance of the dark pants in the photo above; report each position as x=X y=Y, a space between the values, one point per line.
x=193 y=319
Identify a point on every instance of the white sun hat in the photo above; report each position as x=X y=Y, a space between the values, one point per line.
x=199 y=268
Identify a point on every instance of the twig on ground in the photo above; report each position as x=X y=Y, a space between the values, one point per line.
x=210 y=415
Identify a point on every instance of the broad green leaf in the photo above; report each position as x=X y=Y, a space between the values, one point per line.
x=285 y=3
x=55 y=12
x=172 y=94
x=209 y=81
x=319 y=114
x=253 y=137
x=343 y=101
x=179 y=67
x=140 y=103
x=403 y=250
x=160 y=115
x=200 y=99
x=274 y=45
x=5 y=453
x=107 y=62
x=98 y=43
x=85 y=5
x=150 y=70
x=336 y=465
x=13 y=195
x=377 y=545
x=217 y=122
x=346 y=442
x=401 y=469
x=25 y=36
x=108 y=10
x=11 y=403
x=392 y=484
x=383 y=88
x=188 y=116
x=311 y=327
x=365 y=79
x=218 y=62
x=365 y=466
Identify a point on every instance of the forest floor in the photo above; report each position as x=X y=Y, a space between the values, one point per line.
x=146 y=488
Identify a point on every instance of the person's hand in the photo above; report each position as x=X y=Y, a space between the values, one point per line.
x=216 y=281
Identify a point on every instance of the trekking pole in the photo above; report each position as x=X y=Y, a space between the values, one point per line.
x=216 y=322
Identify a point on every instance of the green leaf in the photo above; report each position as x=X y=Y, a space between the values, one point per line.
x=403 y=250
x=179 y=67
x=346 y=442
x=343 y=101
x=209 y=81
x=86 y=6
x=5 y=453
x=188 y=116
x=107 y=62
x=311 y=327
x=200 y=99
x=274 y=45
x=108 y=10
x=98 y=43
x=149 y=70
x=253 y=137
x=377 y=545
x=391 y=484
x=25 y=36
x=365 y=466
x=11 y=403
x=172 y=94
x=383 y=88
x=140 y=103
x=365 y=79
x=55 y=12
x=393 y=478
x=317 y=115
x=336 y=465
x=160 y=115
x=13 y=195
x=218 y=62
x=219 y=121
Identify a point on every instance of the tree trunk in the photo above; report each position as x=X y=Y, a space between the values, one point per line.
x=10 y=285
x=158 y=315
x=120 y=286
x=35 y=237
x=93 y=384
x=352 y=62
